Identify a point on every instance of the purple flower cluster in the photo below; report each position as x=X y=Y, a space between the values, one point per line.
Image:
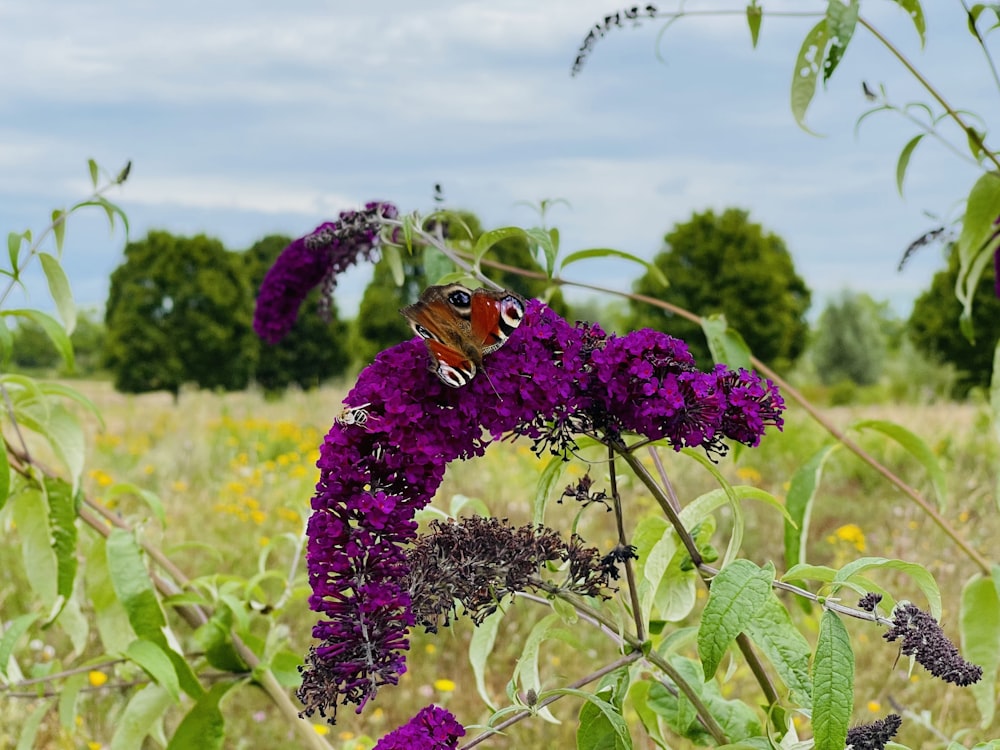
x=432 y=728
x=549 y=382
x=316 y=259
x=923 y=639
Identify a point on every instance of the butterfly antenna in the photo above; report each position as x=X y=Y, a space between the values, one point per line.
x=490 y=381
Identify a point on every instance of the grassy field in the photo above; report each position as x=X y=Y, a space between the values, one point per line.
x=235 y=474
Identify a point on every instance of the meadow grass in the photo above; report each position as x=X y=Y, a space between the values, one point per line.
x=235 y=473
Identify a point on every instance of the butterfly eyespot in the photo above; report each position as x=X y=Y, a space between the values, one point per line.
x=460 y=298
x=422 y=332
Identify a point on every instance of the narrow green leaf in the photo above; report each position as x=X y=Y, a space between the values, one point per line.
x=995 y=407
x=799 y=502
x=916 y=14
x=203 y=726
x=50 y=388
x=548 y=244
x=785 y=647
x=69 y=692
x=436 y=264
x=841 y=20
x=135 y=591
x=60 y=290
x=755 y=14
x=62 y=521
x=920 y=575
x=17 y=628
x=526 y=671
x=92 y=166
x=547 y=481
x=14 y=250
x=4 y=475
x=738 y=592
x=916 y=448
x=608 y=252
x=980 y=627
x=833 y=684
x=156 y=663
x=973 y=251
x=676 y=592
x=55 y=332
x=140 y=716
x=31 y=514
x=489 y=239
x=639 y=698
x=28 y=730
x=807 y=67
x=601 y=725
x=65 y=435
x=726 y=344
x=904 y=160
x=59 y=228
x=112 y=622
x=152 y=500
x=480 y=647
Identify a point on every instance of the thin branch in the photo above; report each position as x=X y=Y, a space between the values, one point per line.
x=633 y=589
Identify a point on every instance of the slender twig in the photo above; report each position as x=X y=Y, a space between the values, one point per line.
x=982 y=44
x=633 y=589
x=664 y=478
x=970 y=131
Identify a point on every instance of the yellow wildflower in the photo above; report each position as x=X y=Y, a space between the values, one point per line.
x=852 y=534
x=445 y=686
x=321 y=729
x=97 y=678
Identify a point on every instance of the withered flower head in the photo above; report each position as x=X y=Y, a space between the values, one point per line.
x=924 y=640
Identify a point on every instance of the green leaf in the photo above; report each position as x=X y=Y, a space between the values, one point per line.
x=151 y=499
x=547 y=481
x=755 y=14
x=841 y=20
x=924 y=580
x=799 y=502
x=156 y=663
x=436 y=264
x=904 y=160
x=981 y=209
x=14 y=241
x=526 y=670
x=916 y=448
x=215 y=640
x=676 y=592
x=203 y=726
x=980 y=627
x=28 y=730
x=31 y=515
x=916 y=13
x=480 y=647
x=17 y=628
x=60 y=290
x=62 y=521
x=489 y=239
x=140 y=716
x=639 y=698
x=92 y=166
x=995 y=407
x=59 y=229
x=112 y=623
x=69 y=692
x=135 y=591
x=4 y=478
x=785 y=647
x=607 y=252
x=111 y=209
x=833 y=684
x=53 y=330
x=726 y=344
x=65 y=434
x=548 y=243
x=601 y=725
x=738 y=592
x=807 y=66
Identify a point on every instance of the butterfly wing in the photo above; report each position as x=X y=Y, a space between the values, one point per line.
x=451 y=366
x=493 y=317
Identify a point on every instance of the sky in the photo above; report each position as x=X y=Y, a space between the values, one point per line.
x=254 y=118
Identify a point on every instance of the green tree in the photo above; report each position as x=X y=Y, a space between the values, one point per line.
x=850 y=343
x=730 y=265
x=179 y=311
x=313 y=350
x=379 y=324
x=933 y=326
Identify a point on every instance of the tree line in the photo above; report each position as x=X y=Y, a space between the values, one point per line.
x=179 y=312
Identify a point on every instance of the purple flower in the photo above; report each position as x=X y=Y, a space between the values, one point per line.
x=432 y=728
x=550 y=382
x=314 y=259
